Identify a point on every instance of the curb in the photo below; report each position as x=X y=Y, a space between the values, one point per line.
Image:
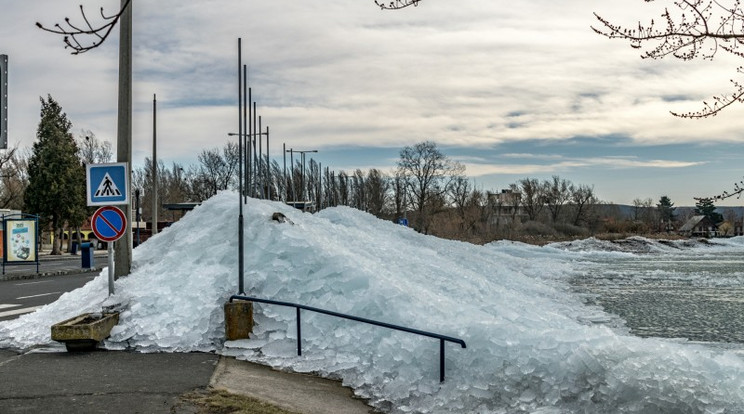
x=41 y=275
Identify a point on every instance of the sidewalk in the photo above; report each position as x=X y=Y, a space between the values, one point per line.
x=128 y=382
x=305 y=394
x=54 y=265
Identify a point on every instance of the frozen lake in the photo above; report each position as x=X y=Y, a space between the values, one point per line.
x=689 y=290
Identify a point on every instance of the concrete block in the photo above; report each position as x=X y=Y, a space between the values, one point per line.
x=238 y=320
x=84 y=331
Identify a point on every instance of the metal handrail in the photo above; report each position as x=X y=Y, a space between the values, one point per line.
x=442 y=338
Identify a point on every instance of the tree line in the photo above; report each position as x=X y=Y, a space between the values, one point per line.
x=427 y=189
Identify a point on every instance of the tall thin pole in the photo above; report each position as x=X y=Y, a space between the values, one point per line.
x=319 y=197
x=252 y=137
x=302 y=177
x=284 y=184
x=249 y=139
x=154 y=165
x=241 y=289
x=268 y=167
x=123 y=248
x=244 y=138
x=260 y=174
x=291 y=174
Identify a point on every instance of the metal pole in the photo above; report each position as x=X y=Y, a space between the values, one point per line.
x=284 y=184
x=154 y=165
x=253 y=141
x=244 y=139
x=319 y=196
x=137 y=214
x=111 y=268
x=249 y=142
x=261 y=178
x=124 y=129
x=302 y=177
x=291 y=173
x=268 y=166
x=243 y=80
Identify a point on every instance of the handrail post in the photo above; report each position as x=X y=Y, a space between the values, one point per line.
x=299 y=333
x=441 y=360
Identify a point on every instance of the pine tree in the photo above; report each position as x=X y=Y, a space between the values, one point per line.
x=665 y=209
x=56 y=189
x=705 y=207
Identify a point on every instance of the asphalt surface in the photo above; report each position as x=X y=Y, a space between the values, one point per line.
x=51 y=381
x=101 y=381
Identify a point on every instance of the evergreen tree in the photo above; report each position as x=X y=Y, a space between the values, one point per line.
x=56 y=188
x=705 y=207
x=665 y=208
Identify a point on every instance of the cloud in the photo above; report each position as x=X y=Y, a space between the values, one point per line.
x=472 y=76
x=565 y=166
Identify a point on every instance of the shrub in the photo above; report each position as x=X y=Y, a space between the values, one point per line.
x=535 y=228
x=569 y=230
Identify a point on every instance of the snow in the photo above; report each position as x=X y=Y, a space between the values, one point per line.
x=532 y=345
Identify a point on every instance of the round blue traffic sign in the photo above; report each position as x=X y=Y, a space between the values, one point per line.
x=108 y=223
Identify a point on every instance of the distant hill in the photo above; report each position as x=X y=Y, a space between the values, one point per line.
x=628 y=211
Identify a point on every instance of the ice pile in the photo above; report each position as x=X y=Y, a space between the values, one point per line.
x=637 y=244
x=529 y=347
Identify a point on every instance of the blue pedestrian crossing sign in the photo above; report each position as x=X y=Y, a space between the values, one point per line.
x=107 y=184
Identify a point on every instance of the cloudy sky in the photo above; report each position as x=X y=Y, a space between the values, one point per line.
x=510 y=89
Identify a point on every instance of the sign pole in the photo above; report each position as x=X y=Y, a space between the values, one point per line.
x=111 y=268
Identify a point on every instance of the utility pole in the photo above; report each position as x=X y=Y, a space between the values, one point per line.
x=123 y=250
x=154 y=165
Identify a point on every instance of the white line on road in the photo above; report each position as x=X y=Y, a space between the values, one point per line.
x=9 y=305
x=37 y=296
x=32 y=283
x=18 y=311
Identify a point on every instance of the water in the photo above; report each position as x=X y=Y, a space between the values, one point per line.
x=690 y=290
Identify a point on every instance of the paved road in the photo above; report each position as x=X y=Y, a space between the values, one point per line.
x=26 y=295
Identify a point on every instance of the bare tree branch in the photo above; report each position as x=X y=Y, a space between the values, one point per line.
x=397 y=4
x=78 y=37
x=737 y=191
x=699 y=29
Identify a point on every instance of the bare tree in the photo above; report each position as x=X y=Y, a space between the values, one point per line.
x=217 y=169
x=459 y=193
x=13 y=178
x=399 y=195
x=557 y=192
x=582 y=201
x=695 y=29
x=85 y=36
x=91 y=150
x=533 y=197
x=428 y=174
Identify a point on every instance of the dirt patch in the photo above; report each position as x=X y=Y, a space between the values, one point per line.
x=223 y=402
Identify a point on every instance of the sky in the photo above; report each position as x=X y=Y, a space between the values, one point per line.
x=510 y=89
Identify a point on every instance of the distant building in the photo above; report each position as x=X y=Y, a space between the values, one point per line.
x=506 y=207
x=699 y=226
